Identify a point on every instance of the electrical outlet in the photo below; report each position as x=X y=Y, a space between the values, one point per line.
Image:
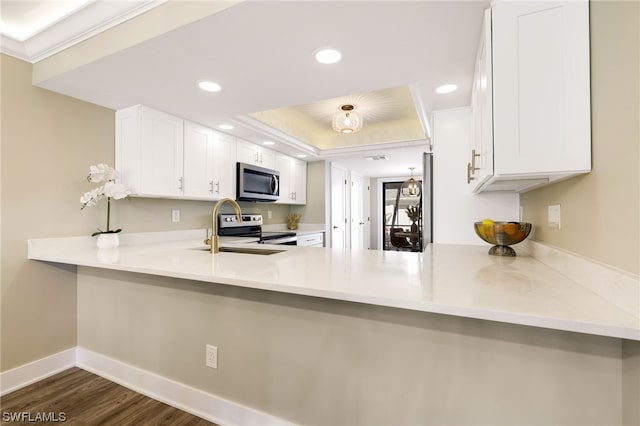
x=554 y=216
x=269 y=214
x=175 y=215
x=212 y=356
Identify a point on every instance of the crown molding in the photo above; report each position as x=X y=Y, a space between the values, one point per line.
x=284 y=138
x=88 y=21
x=364 y=149
x=258 y=126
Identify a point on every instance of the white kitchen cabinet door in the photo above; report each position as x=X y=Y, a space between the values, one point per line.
x=311 y=240
x=254 y=154
x=293 y=180
x=161 y=154
x=357 y=212
x=480 y=166
x=149 y=151
x=209 y=163
x=224 y=166
x=198 y=161
x=339 y=208
x=541 y=87
x=299 y=184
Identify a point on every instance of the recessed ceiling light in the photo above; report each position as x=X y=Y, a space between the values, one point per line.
x=327 y=55
x=209 y=86
x=446 y=88
x=302 y=156
x=268 y=143
x=225 y=127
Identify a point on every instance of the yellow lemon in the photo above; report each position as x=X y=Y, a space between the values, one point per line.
x=488 y=222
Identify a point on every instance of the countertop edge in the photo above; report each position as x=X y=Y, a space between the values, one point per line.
x=510 y=317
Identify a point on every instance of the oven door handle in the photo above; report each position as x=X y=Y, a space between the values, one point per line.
x=284 y=240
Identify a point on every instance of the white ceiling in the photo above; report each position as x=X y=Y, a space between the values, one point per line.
x=261 y=52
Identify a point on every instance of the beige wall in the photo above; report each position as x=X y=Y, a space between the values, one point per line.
x=601 y=210
x=314 y=210
x=48 y=143
x=322 y=362
x=630 y=383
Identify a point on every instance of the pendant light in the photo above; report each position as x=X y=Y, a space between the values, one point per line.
x=347 y=120
x=411 y=188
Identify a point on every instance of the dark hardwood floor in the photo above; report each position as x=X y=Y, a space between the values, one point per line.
x=77 y=397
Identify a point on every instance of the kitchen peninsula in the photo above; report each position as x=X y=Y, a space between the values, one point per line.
x=446 y=279
x=423 y=325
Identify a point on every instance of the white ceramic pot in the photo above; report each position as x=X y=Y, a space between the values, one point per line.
x=107 y=241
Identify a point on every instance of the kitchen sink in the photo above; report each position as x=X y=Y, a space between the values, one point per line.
x=244 y=250
x=247 y=250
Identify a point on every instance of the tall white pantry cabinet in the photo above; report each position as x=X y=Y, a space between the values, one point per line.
x=531 y=96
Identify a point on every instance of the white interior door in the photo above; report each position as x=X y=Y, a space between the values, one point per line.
x=357 y=212
x=339 y=229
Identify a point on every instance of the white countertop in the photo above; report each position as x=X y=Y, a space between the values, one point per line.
x=447 y=279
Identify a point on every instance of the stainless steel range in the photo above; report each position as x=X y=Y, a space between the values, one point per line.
x=251 y=226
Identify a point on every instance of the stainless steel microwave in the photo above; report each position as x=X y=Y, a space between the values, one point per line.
x=257 y=183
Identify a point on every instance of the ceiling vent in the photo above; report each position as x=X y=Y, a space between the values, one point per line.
x=376 y=157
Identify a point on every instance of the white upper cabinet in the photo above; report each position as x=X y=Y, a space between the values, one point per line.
x=149 y=151
x=209 y=163
x=254 y=154
x=480 y=165
x=539 y=73
x=224 y=166
x=293 y=180
x=159 y=155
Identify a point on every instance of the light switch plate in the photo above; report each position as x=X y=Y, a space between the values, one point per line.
x=554 y=216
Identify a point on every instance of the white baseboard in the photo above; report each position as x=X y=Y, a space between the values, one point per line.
x=32 y=372
x=186 y=398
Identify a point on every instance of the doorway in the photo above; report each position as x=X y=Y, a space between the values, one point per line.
x=402 y=218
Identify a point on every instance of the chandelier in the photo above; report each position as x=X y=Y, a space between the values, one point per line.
x=347 y=120
x=413 y=187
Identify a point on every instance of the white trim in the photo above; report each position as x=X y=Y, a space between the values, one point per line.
x=35 y=371
x=80 y=25
x=618 y=287
x=186 y=398
x=278 y=135
x=181 y=396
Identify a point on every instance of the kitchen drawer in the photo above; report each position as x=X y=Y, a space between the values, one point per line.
x=311 y=240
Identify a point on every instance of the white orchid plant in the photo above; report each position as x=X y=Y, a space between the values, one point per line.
x=98 y=174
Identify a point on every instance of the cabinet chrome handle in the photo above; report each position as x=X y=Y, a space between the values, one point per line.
x=217 y=187
x=180 y=184
x=211 y=187
x=469 y=177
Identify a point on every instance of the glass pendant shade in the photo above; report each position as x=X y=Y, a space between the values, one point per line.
x=412 y=187
x=347 y=120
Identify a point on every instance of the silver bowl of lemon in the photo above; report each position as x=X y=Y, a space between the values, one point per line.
x=502 y=235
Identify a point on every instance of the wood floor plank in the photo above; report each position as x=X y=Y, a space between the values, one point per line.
x=85 y=399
